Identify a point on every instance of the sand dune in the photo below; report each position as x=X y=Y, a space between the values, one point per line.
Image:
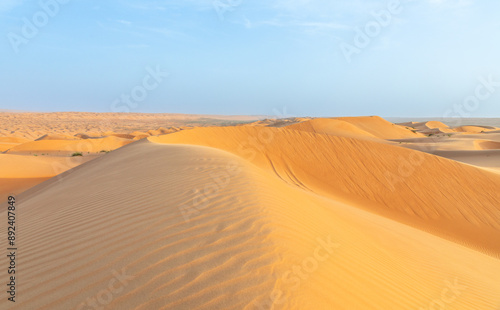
x=431 y=127
x=56 y=137
x=70 y=146
x=484 y=158
x=356 y=127
x=13 y=140
x=19 y=173
x=250 y=238
x=9 y=142
x=332 y=127
x=487 y=145
x=403 y=184
x=435 y=124
x=380 y=128
x=473 y=129
x=298 y=213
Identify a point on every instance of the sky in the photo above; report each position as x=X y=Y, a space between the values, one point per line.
x=406 y=58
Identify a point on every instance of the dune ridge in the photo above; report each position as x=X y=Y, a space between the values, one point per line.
x=240 y=248
x=420 y=189
x=298 y=213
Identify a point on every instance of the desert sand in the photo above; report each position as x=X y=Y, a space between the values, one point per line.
x=300 y=213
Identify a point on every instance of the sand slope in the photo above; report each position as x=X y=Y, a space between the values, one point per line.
x=380 y=127
x=451 y=199
x=251 y=235
x=331 y=127
x=19 y=173
x=65 y=147
x=311 y=214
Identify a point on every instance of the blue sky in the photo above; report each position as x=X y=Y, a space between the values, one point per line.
x=420 y=58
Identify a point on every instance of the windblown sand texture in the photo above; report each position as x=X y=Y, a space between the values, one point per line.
x=330 y=213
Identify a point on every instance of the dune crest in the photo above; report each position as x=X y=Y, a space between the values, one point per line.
x=411 y=186
x=249 y=242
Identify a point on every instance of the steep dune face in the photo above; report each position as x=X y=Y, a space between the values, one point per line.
x=331 y=127
x=380 y=127
x=154 y=226
x=448 y=198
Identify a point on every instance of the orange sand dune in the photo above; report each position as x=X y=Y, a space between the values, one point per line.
x=13 y=140
x=331 y=126
x=69 y=146
x=487 y=145
x=479 y=158
x=19 y=173
x=414 y=187
x=15 y=186
x=431 y=127
x=473 y=129
x=9 y=142
x=160 y=131
x=56 y=137
x=6 y=146
x=278 y=122
x=20 y=166
x=380 y=128
x=435 y=124
x=119 y=135
x=200 y=228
